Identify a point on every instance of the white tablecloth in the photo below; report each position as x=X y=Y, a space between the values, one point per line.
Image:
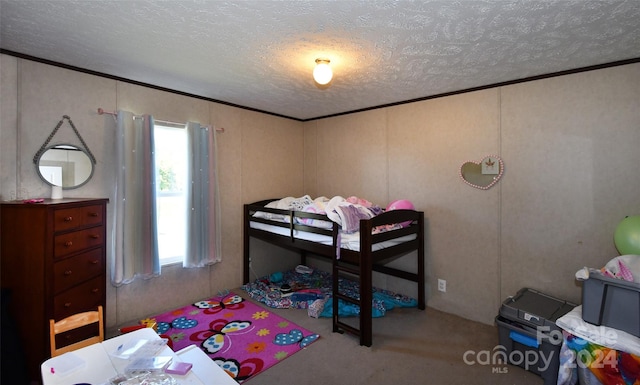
x=96 y=364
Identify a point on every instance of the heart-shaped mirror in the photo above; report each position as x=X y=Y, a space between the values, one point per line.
x=483 y=174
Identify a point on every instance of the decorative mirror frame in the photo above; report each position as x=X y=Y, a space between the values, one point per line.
x=481 y=164
x=69 y=147
x=44 y=148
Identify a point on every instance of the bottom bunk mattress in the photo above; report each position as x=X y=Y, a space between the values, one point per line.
x=306 y=288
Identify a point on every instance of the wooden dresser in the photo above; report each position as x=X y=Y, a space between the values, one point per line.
x=53 y=263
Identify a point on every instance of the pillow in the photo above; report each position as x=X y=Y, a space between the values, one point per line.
x=271 y=216
x=288 y=203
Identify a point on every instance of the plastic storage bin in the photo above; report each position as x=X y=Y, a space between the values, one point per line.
x=529 y=334
x=611 y=302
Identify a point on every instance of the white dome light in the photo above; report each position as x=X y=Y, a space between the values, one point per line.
x=322 y=74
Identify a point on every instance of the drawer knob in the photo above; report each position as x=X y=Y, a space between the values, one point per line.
x=95 y=290
x=94 y=262
x=67 y=305
x=68 y=219
x=68 y=272
x=68 y=244
x=94 y=236
x=93 y=214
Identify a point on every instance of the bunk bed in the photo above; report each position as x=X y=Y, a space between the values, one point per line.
x=356 y=254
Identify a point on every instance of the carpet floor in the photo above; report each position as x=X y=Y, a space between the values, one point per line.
x=404 y=351
x=409 y=347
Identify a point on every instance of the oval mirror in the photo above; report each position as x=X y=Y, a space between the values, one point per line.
x=65 y=165
x=483 y=174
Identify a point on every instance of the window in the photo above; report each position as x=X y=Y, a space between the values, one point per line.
x=171 y=154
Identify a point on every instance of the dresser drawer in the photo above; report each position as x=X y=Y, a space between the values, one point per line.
x=68 y=243
x=76 y=269
x=67 y=219
x=84 y=297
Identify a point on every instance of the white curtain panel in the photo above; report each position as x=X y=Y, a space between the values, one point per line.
x=203 y=218
x=135 y=239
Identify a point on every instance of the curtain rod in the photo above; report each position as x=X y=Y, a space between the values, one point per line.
x=103 y=112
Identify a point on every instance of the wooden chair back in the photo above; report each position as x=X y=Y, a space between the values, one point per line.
x=74 y=322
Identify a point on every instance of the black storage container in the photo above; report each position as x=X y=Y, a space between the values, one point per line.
x=529 y=334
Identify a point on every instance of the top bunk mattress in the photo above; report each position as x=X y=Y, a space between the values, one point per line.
x=323 y=213
x=349 y=241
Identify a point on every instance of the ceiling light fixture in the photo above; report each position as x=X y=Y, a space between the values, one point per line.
x=322 y=74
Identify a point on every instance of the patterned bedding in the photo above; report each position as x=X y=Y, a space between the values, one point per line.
x=316 y=286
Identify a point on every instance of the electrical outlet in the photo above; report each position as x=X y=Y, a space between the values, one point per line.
x=442 y=285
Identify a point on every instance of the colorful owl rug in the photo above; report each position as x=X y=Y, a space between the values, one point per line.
x=241 y=337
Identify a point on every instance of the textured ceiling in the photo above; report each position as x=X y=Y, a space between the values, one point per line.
x=260 y=54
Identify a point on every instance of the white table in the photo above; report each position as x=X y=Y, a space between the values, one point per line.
x=100 y=366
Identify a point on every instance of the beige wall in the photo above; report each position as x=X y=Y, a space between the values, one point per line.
x=260 y=156
x=571 y=150
x=570 y=146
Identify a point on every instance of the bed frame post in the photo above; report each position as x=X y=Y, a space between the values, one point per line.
x=335 y=271
x=335 y=290
x=422 y=303
x=366 y=284
x=247 y=255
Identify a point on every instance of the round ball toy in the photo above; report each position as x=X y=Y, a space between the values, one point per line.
x=627 y=235
x=401 y=204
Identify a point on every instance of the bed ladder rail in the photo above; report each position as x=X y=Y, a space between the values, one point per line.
x=364 y=332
